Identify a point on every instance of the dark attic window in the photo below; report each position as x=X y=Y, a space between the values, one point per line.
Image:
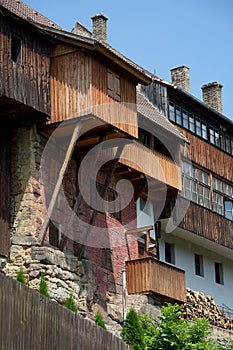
x=16 y=44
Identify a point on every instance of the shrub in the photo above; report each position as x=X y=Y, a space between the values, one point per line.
x=132 y=332
x=43 y=288
x=20 y=276
x=99 y=320
x=70 y=303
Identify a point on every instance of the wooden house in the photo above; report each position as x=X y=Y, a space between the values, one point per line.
x=198 y=239
x=71 y=105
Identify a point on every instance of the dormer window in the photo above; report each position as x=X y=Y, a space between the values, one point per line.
x=114 y=86
x=16 y=47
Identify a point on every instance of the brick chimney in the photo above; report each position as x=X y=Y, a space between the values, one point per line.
x=212 y=95
x=99 y=27
x=180 y=77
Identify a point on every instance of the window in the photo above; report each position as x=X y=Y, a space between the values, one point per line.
x=191 y=123
x=170 y=253
x=172 y=112
x=215 y=134
x=204 y=130
x=228 y=209
x=115 y=208
x=218 y=203
x=144 y=137
x=114 y=86
x=198 y=260
x=106 y=258
x=55 y=234
x=218 y=273
x=185 y=120
x=222 y=195
x=178 y=116
x=198 y=127
x=16 y=44
x=110 y=196
x=196 y=185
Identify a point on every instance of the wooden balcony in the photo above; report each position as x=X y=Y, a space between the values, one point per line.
x=152 y=276
x=152 y=163
x=201 y=221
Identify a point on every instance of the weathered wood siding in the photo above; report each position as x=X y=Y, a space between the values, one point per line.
x=29 y=320
x=26 y=81
x=70 y=83
x=79 y=85
x=148 y=275
x=207 y=224
x=121 y=114
x=4 y=192
x=152 y=163
x=208 y=156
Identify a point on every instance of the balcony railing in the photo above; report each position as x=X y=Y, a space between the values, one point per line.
x=152 y=276
x=152 y=163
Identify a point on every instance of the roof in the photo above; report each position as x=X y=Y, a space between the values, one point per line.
x=192 y=97
x=149 y=111
x=126 y=59
x=25 y=12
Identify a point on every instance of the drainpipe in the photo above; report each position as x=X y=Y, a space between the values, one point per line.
x=124 y=292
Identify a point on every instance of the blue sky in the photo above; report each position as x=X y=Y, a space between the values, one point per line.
x=160 y=35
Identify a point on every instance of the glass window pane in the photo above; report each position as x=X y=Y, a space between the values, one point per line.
x=217 y=138
x=191 y=123
x=198 y=127
x=178 y=116
x=203 y=177
x=212 y=135
x=227 y=189
x=228 y=209
x=172 y=112
x=228 y=148
x=185 y=120
x=204 y=131
x=222 y=142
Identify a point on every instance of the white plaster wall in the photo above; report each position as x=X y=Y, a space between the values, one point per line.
x=145 y=217
x=184 y=258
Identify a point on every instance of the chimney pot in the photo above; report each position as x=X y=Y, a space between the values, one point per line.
x=99 y=27
x=212 y=95
x=180 y=77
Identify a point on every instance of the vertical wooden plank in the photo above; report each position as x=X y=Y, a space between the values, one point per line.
x=5 y=191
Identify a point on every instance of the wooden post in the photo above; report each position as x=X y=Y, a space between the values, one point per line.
x=63 y=169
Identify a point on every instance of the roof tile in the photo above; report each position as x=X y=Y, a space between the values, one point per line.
x=25 y=12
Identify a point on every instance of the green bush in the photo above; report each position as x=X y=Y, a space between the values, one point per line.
x=132 y=331
x=43 y=288
x=20 y=276
x=99 y=320
x=70 y=303
x=173 y=331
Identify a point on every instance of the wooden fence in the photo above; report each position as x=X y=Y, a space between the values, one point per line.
x=28 y=320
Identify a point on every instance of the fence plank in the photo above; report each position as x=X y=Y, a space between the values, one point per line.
x=29 y=320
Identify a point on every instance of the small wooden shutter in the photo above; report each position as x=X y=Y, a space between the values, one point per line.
x=110 y=84
x=4 y=192
x=117 y=88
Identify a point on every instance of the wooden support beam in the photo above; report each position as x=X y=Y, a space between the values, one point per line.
x=76 y=131
x=139 y=230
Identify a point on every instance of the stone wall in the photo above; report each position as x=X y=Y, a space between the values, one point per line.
x=94 y=286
